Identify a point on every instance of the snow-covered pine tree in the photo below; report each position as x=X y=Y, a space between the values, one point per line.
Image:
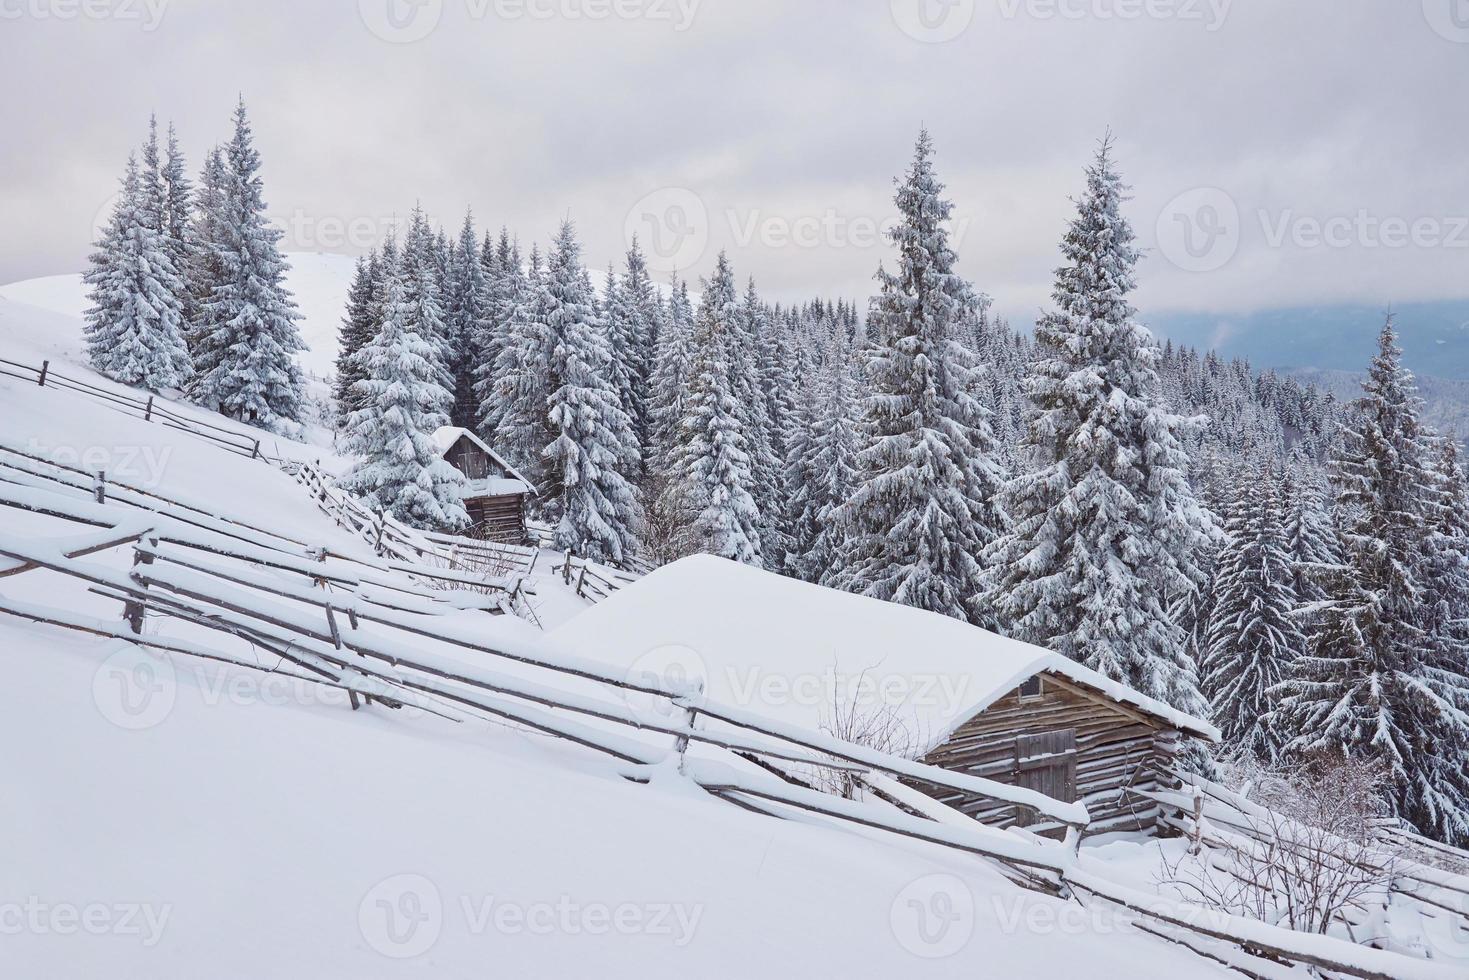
x=833 y=462
x=466 y=301
x=1311 y=537
x=747 y=377
x=1446 y=579
x=1252 y=638
x=134 y=327
x=204 y=264
x=923 y=505
x=639 y=309
x=668 y=388
x=587 y=491
x=1106 y=533
x=710 y=484
x=522 y=379
x=507 y=288
x=1371 y=684
x=178 y=209
x=359 y=326
x=245 y=354
x=423 y=259
x=402 y=405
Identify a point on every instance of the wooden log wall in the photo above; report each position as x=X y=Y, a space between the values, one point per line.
x=497 y=518
x=1115 y=748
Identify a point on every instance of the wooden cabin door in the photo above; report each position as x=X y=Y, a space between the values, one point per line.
x=1046 y=763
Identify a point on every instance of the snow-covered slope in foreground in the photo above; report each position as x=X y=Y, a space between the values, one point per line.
x=164 y=819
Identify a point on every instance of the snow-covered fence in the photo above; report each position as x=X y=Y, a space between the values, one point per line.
x=593 y=581
x=369 y=629
x=1236 y=825
x=148 y=409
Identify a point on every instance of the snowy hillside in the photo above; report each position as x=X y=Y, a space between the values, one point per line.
x=317 y=280
x=173 y=819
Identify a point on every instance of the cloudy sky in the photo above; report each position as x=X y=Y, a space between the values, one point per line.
x=1308 y=152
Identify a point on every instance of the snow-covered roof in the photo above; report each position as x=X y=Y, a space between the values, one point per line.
x=794 y=650
x=445 y=438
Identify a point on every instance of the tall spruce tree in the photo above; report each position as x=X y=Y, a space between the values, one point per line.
x=1372 y=683
x=134 y=326
x=922 y=507
x=248 y=340
x=360 y=325
x=1252 y=639
x=402 y=405
x=593 y=449
x=522 y=379
x=1106 y=533
x=713 y=472
x=466 y=301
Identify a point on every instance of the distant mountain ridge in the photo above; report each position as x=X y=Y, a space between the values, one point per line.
x=1434 y=336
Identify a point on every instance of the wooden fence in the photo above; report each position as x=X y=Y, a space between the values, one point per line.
x=149 y=409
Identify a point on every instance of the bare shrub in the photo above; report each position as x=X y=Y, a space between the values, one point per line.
x=1308 y=859
x=875 y=725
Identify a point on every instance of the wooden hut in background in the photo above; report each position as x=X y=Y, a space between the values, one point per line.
x=495 y=494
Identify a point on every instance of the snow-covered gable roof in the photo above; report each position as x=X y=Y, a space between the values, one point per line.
x=445 y=438
x=786 y=648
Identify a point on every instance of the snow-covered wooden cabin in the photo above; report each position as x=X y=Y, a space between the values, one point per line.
x=962 y=698
x=495 y=494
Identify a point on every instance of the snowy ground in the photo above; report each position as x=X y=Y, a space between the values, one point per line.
x=167 y=820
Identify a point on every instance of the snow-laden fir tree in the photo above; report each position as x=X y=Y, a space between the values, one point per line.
x=174 y=224
x=922 y=508
x=633 y=323
x=466 y=303
x=506 y=288
x=423 y=262
x=710 y=484
x=1446 y=575
x=1252 y=638
x=247 y=339
x=1106 y=533
x=593 y=450
x=748 y=377
x=359 y=325
x=1310 y=536
x=204 y=267
x=1372 y=684
x=522 y=379
x=833 y=461
x=134 y=327
x=669 y=387
x=402 y=405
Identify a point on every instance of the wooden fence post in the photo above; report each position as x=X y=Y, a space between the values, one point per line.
x=132 y=610
x=148 y=410
x=681 y=745
x=581 y=580
x=45 y=366
x=566 y=569
x=99 y=487
x=382 y=520
x=255 y=452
